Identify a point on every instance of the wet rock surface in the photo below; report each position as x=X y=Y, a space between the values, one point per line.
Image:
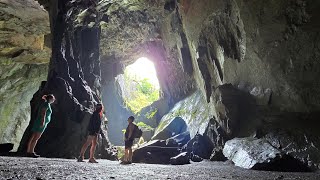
x=27 y=168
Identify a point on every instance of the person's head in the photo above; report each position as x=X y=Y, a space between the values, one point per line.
x=99 y=107
x=49 y=98
x=130 y=119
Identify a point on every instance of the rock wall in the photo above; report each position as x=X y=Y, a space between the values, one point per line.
x=256 y=44
x=74 y=78
x=254 y=62
x=23 y=63
x=18 y=82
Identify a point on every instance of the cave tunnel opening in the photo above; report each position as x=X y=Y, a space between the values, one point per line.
x=132 y=92
x=139 y=84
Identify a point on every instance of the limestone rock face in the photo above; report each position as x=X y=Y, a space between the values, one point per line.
x=24 y=29
x=24 y=54
x=18 y=82
x=193 y=110
x=74 y=78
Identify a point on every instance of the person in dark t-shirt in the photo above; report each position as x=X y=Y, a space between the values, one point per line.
x=129 y=141
x=94 y=128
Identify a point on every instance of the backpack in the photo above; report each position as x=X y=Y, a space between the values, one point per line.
x=137 y=133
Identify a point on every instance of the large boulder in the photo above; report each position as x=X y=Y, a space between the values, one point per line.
x=250 y=152
x=193 y=110
x=235 y=110
x=259 y=154
x=155 y=152
x=182 y=138
x=175 y=127
x=181 y=159
x=200 y=146
x=218 y=137
x=298 y=144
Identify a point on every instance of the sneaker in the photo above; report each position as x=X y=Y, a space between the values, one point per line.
x=80 y=159
x=92 y=161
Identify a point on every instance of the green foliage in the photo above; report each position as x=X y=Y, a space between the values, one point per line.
x=151 y=114
x=120 y=151
x=179 y=112
x=144 y=93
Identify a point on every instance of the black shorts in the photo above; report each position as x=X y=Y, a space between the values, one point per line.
x=128 y=144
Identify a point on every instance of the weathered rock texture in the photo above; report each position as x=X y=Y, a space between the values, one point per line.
x=249 y=153
x=252 y=64
x=260 y=154
x=156 y=152
x=74 y=78
x=24 y=28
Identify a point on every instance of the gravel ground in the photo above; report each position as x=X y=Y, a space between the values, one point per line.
x=43 y=168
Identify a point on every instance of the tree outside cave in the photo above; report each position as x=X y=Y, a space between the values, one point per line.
x=140 y=85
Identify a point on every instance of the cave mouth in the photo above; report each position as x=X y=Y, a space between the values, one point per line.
x=139 y=84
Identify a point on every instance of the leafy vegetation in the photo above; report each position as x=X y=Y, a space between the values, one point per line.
x=151 y=113
x=142 y=92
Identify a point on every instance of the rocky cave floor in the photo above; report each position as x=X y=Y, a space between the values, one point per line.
x=44 y=168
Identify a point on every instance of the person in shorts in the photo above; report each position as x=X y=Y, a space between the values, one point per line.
x=40 y=124
x=94 y=128
x=129 y=141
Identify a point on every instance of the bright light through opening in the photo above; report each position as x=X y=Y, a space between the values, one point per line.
x=143 y=68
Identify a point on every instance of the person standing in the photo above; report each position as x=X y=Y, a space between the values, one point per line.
x=129 y=138
x=40 y=124
x=94 y=128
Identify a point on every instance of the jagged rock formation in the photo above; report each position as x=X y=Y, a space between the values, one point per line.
x=156 y=152
x=251 y=64
x=259 y=154
x=74 y=78
x=24 y=53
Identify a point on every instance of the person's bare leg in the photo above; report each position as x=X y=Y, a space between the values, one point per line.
x=93 y=149
x=126 y=155
x=85 y=146
x=130 y=155
x=29 y=143
x=34 y=141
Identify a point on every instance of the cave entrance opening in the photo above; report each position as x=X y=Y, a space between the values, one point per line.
x=140 y=85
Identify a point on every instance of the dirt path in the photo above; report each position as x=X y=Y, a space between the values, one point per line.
x=42 y=168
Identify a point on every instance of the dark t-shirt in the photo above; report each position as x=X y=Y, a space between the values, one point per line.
x=127 y=131
x=95 y=123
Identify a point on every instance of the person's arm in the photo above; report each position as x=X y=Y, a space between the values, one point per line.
x=43 y=116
